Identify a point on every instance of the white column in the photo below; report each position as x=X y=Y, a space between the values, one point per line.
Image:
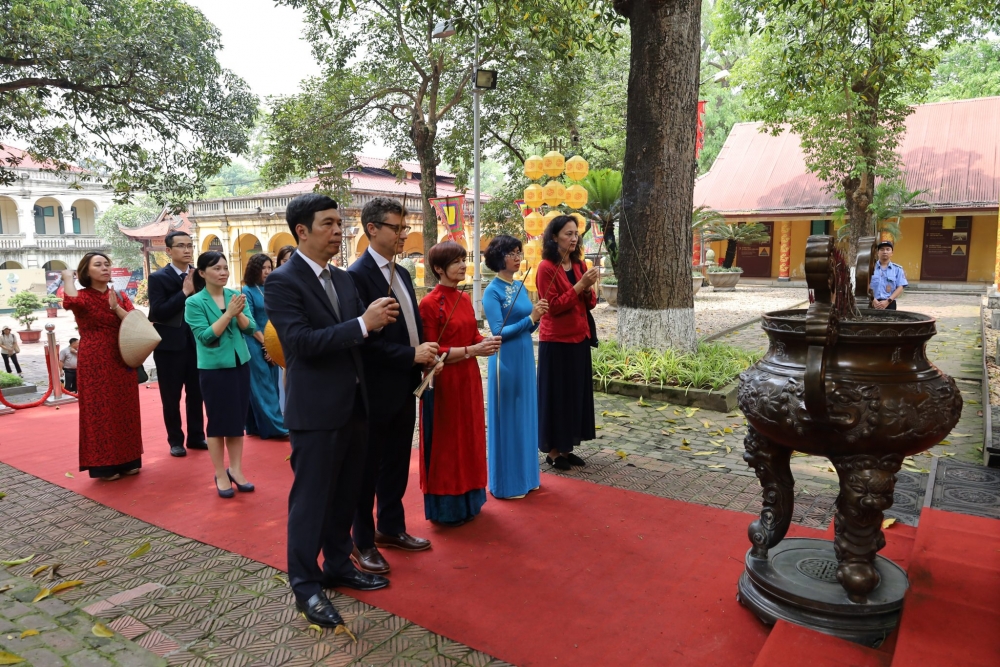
x=26 y=221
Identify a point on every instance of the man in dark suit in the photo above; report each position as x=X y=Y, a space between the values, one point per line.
x=175 y=357
x=322 y=326
x=393 y=360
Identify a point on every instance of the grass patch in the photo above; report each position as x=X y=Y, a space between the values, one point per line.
x=8 y=380
x=713 y=366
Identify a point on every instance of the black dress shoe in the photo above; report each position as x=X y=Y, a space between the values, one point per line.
x=370 y=561
x=201 y=444
x=359 y=581
x=559 y=462
x=243 y=488
x=178 y=450
x=403 y=541
x=319 y=611
x=575 y=460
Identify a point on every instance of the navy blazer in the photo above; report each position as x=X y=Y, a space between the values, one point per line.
x=322 y=353
x=166 y=310
x=388 y=356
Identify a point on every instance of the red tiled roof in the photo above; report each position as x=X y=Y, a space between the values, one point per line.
x=9 y=155
x=163 y=225
x=951 y=149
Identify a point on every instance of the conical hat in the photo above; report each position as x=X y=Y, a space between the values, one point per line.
x=273 y=345
x=137 y=338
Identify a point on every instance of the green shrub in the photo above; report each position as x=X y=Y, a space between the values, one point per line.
x=722 y=269
x=25 y=304
x=51 y=300
x=713 y=366
x=8 y=380
x=609 y=280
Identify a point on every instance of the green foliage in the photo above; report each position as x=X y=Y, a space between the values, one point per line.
x=234 y=180
x=842 y=75
x=25 y=304
x=609 y=279
x=8 y=380
x=967 y=70
x=130 y=88
x=124 y=251
x=703 y=216
x=712 y=366
x=732 y=233
x=51 y=300
x=890 y=200
x=722 y=269
x=604 y=204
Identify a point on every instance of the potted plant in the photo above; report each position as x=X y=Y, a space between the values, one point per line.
x=696 y=281
x=723 y=279
x=609 y=289
x=25 y=304
x=51 y=305
x=734 y=235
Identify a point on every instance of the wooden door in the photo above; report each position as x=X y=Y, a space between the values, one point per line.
x=755 y=258
x=946 y=249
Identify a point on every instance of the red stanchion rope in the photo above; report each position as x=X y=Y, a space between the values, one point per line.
x=23 y=406
x=48 y=367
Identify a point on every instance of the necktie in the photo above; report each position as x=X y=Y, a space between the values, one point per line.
x=407 y=307
x=330 y=292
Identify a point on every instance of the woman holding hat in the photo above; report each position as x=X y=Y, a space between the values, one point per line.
x=218 y=318
x=10 y=347
x=107 y=387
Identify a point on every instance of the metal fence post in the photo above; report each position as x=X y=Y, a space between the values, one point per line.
x=52 y=350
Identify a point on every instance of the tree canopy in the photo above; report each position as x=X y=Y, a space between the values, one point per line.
x=130 y=88
x=125 y=251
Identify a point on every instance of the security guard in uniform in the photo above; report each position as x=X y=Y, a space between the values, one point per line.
x=888 y=279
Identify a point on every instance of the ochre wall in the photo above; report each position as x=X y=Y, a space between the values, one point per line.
x=982 y=255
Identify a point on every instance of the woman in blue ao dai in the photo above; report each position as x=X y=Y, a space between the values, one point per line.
x=512 y=413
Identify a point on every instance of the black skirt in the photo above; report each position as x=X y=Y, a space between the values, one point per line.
x=226 y=392
x=565 y=395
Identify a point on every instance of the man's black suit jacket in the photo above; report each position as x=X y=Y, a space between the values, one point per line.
x=166 y=310
x=322 y=353
x=388 y=356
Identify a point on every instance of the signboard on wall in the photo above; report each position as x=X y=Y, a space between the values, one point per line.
x=946 y=248
x=13 y=281
x=755 y=258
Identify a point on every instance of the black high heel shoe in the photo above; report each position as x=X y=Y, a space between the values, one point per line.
x=224 y=493
x=243 y=488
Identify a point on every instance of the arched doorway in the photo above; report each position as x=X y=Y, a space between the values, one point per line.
x=55 y=265
x=245 y=247
x=48 y=214
x=279 y=241
x=8 y=216
x=84 y=214
x=360 y=245
x=10 y=265
x=212 y=244
x=414 y=244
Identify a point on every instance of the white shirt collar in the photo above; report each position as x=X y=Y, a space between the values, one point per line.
x=178 y=271
x=317 y=269
x=379 y=259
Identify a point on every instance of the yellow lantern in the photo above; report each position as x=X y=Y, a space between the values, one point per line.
x=534 y=224
x=577 y=168
x=532 y=250
x=529 y=283
x=581 y=222
x=420 y=273
x=534 y=195
x=533 y=167
x=590 y=264
x=553 y=163
x=554 y=193
x=550 y=216
x=524 y=267
x=576 y=196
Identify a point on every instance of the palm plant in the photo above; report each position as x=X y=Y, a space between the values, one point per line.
x=734 y=234
x=604 y=202
x=701 y=217
x=889 y=201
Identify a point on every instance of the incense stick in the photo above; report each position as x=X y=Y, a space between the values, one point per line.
x=517 y=294
x=419 y=391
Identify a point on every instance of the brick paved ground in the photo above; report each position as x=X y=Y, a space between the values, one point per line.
x=198 y=605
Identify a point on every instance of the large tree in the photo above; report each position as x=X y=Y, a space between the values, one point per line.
x=129 y=87
x=967 y=70
x=656 y=304
x=842 y=75
x=125 y=251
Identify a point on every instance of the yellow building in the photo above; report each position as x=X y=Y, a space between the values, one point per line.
x=241 y=227
x=951 y=150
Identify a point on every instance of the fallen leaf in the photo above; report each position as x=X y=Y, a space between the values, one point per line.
x=685 y=428
x=66 y=584
x=662 y=408
x=706 y=423
x=944 y=442
x=101 y=630
x=316 y=628
x=685 y=441
x=29 y=633
x=280 y=579
x=102 y=563
x=342 y=629
x=2 y=495
x=667 y=432
x=671 y=421
x=10 y=659
x=717 y=465
x=887 y=522
x=618 y=414
x=19 y=561
x=727 y=430
x=598 y=426
x=959 y=435
x=622 y=454
x=39 y=570
x=703 y=453
x=684 y=448
x=689 y=412
x=44 y=593
x=69 y=474
x=141 y=550
x=729 y=449
x=643 y=404
x=4 y=589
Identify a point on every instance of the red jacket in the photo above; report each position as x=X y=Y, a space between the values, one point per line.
x=566 y=321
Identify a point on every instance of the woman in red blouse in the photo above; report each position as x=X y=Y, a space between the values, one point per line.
x=452 y=418
x=110 y=430
x=565 y=373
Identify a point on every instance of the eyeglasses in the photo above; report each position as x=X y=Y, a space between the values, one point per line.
x=514 y=254
x=395 y=228
x=183 y=246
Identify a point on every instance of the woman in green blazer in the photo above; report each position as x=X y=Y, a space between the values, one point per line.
x=218 y=317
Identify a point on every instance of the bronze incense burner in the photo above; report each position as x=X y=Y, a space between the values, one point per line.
x=860 y=391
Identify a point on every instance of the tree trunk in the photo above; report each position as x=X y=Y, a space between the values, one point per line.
x=858 y=192
x=423 y=142
x=731 y=245
x=656 y=304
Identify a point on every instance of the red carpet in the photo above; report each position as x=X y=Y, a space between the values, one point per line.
x=794 y=646
x=576 y=574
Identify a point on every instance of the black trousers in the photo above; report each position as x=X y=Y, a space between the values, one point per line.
x=387 y=470
x=175 y=371
x=7 y=358
x=70 y=379
x=328 y=467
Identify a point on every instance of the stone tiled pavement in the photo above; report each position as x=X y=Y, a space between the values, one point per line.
x=198 y=605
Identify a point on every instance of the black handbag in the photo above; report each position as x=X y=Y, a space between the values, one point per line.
x=141 y=373
x=593 y=329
